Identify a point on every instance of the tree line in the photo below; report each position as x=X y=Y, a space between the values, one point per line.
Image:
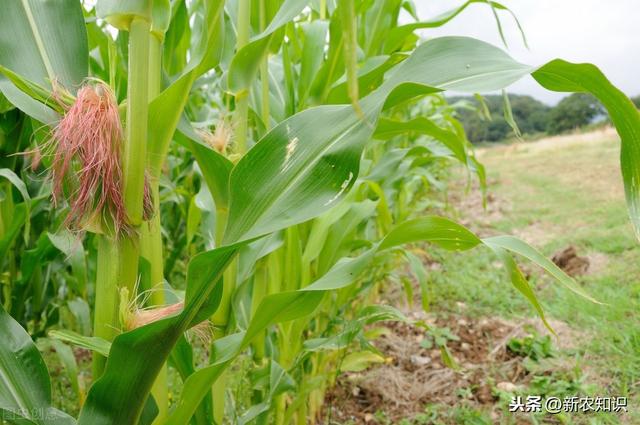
x=485 y=119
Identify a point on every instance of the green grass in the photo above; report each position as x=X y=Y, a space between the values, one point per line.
x=558 y=193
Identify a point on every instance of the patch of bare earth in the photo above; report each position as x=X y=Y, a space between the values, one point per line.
x=414 y=376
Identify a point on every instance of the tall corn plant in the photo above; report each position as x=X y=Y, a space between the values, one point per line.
x=304 y=163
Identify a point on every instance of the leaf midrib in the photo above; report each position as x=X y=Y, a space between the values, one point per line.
x=38 y=39
x=15 y=393
x=292 y=182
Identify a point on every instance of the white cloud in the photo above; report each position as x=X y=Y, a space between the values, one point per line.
x=604 y=33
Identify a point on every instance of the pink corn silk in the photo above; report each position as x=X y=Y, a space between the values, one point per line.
x=90 y=134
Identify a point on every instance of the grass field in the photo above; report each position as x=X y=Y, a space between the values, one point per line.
x=554 y=193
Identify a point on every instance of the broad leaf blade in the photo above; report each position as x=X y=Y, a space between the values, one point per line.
x=25 y=389
x=45 y=42
x=559 y=75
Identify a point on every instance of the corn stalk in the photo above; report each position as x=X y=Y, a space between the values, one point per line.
x=307 y=219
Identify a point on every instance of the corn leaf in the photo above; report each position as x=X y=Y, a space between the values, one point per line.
x=559 y=75
x=388 y=128
x=215 y=167
x=398 y=35
x=244 y=65
x=520 y=247
x=18 y=220
x=25 y=390
x=299 y=170
x=93 y=343
x=45 y=42
x=166 y=109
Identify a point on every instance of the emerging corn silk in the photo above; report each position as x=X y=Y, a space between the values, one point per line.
x=87 y=146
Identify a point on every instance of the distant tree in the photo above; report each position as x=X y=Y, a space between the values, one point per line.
x=530 y=114
x=574 y=111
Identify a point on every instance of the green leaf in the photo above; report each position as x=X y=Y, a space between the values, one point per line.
x=215 y=168
x=71 y=246
x=518 y=246
x=36 y=92
x=378 y=313
x=17 y=221
x=299 y=170
x=559 y=75
x=165 y=111
x=22 y=188
x=398 y=35
x=68 y=360
x=388 y=128
x=417 y=267
x=25 y=389
x=320 y=231
x=441 y=231
x=279 y=382
x=246 y=62
x=44 y=42
x=302 y=167
x=520 y=282
x=508 y=115
x=315 y=34
x=120 y=13
x=341 y=231
x=93 y=343
x=370 y=75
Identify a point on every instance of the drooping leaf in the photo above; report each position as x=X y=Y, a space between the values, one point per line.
x=93 y=343
x=398 y=34
x=299 y=170
x=559 y=75
x=518 y=246
x=388 y=128
x=287 y=306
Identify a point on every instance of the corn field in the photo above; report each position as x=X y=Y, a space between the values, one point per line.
x=207 y=192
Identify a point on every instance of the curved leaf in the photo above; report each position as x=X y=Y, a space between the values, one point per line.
x=309 y=161
x=22 y=188
x=43 y=41
x=25 y=389
x=286 y=306
x=520 y=247
x=244 y=65
x=165 y=111
x=398 y=35
x=388 y=128
x=559 y=75
x=299 y=170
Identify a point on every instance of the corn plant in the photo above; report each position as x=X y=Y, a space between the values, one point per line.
x=295 y=140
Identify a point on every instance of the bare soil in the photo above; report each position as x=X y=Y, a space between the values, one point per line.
x=414 y=376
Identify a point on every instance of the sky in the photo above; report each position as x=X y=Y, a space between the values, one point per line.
x=603 y=32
